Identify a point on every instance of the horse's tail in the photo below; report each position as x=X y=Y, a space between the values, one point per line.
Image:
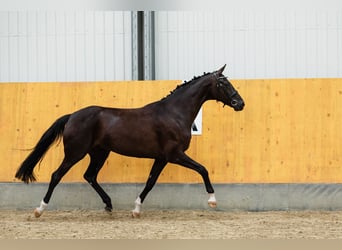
x=25 y=171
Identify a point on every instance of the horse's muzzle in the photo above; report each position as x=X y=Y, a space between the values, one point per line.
x=238 y=106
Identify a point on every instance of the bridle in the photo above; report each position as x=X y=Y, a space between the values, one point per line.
x=220 y=85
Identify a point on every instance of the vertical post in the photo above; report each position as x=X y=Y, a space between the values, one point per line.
x=134 y=45
x=149 y=46
x=140 y=37
x=143 y=47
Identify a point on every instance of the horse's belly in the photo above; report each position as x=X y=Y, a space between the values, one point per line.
x=136 y=146
x=143 y=138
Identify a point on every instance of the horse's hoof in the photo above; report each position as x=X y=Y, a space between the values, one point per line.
x=212 y=204
x=135 y=214
x=37 y=213
x=108 y=209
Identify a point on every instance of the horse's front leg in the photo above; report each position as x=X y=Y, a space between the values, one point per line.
x=157 y=168
x=184 y=160
x=137 y=209
x=212 y=200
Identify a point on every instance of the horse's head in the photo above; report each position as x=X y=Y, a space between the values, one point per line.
x=224 y=91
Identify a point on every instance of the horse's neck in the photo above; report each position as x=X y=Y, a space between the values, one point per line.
x=188 y=101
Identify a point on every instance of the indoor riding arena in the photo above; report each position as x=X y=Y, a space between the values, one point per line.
x=275 y=162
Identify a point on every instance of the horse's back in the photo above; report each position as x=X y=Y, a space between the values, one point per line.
x=84 y=116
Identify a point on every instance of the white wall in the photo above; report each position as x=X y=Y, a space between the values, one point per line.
x=254 y=43
x=82 y=45
x=65 y=46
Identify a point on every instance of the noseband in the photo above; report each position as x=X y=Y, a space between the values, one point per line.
x=220 y=84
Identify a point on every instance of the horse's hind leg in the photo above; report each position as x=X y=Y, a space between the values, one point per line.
x=55 y=179
x=97 y=159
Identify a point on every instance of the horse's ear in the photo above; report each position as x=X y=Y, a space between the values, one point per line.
x=221 y=69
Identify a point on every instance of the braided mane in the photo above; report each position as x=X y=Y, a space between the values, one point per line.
x=186 y=83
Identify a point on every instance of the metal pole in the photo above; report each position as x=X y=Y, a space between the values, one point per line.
x=143 y=45
x=149 y=46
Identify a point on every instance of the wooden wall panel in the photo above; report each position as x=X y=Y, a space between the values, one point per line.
x=289 y=131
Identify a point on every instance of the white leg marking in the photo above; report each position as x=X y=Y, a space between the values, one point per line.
x=137 y=209
x=39 y=210
x=212 y=200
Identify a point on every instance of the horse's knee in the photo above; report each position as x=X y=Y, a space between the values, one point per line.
x=56 y=177
x=203 y=171
x=88 y=178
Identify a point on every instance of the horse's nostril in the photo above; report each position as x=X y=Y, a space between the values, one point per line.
x=234 y=102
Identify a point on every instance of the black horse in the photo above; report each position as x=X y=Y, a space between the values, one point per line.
x=160 y=130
